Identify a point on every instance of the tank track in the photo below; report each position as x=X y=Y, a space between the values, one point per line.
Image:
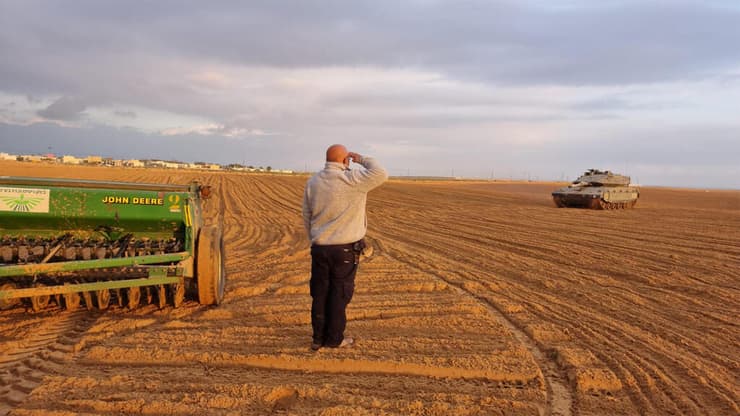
x=596 y=203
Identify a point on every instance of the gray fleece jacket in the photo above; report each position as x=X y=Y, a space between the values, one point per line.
x=334 y=201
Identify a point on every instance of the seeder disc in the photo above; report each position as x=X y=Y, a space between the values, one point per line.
x=178 y=294
x=148 y=295
x=39 y=302
x=72 y=301
x=88 y=300
x=8 y=303
x=161 y=296
x=103 y=298
x=134 y=297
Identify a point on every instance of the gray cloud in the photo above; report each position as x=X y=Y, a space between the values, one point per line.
x=125 y=114
x=64 y=109
x=501 y=41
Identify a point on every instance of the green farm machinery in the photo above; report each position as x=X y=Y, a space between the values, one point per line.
x=93 y=243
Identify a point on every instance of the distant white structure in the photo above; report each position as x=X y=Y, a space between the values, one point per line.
x=136 y=163
x=31 y=158
x=165 y=164
x=109 y=161
x=133 y=163
x=71 y=160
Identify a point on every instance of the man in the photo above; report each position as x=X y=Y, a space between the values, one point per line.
x=334 y=216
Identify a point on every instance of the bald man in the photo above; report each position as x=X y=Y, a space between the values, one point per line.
x=334 y=216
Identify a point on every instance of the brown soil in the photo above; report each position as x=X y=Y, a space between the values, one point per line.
x=480 y=299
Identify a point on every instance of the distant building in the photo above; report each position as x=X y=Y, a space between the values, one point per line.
x=71 y=160
x=94 y=160
x=133 y=163
x=31 y=158
x=109 y=161
x=8 y=156
x=165 y=164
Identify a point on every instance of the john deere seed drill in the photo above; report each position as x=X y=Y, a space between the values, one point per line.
x=80 y=242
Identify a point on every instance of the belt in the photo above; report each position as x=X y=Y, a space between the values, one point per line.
x=334 y=245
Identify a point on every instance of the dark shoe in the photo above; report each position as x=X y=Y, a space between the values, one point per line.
x=315 y=346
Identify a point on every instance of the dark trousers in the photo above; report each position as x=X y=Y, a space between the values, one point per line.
x=333 y=270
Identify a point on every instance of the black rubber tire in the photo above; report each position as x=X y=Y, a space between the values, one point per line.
x=209 y=266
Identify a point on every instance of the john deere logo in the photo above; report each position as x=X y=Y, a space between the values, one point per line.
x=24 y=199
x=174 y=201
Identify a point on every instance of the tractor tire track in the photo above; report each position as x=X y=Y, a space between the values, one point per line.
x=45 y=351
x=559 y=396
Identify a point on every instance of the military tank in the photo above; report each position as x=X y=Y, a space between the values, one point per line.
x=598 y=189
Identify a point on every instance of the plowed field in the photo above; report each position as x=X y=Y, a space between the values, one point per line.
x=480 y=298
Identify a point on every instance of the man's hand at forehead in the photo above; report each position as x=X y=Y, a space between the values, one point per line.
x=356 y=157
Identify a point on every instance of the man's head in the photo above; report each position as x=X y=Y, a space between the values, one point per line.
x=337 y=153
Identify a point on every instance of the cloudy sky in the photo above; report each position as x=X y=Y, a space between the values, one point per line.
x=539 y=89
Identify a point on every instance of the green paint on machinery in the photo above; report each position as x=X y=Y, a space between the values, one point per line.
x=74 y=240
